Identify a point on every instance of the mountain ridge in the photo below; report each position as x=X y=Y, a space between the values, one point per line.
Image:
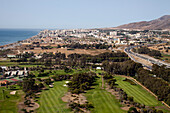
x=162 y=23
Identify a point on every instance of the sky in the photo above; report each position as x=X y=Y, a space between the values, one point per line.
x=73 y=14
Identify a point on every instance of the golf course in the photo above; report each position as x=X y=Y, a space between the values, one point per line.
x=137 y=92
x=50 y=100
x=102 y=100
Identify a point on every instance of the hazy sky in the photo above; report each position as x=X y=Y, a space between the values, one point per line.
x=66 y=14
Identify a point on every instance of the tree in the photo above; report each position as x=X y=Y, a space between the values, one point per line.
x=132 y=110
x=130 y=99
x=67 y=70
x=81 y=82
x=32 y=60
x=1 y=70
x=28 y=84
x=12 y=87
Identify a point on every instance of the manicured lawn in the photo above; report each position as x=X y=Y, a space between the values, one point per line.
x=29 y=65
x=140 y=95
x=62 y=72
x=50 y=100
x=58 y=72
x=9 y=104
x=8 y=63
x=102 y=100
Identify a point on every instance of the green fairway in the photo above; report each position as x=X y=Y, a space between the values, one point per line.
x=140 y=95
x=8 y=63
x=58 y=72
x=62 y=72
x=102 y=100
x=8 y=103
x=50 y=100
x=29 y=65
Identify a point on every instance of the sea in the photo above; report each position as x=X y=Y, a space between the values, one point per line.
x=8 y=36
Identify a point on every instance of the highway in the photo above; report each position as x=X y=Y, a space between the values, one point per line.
x=129 y=52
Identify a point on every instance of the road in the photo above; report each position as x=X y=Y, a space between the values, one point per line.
x=129 y=52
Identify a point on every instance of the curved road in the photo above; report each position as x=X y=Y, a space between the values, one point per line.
x=152 y=60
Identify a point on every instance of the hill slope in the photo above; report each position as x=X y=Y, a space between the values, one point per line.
x=160 y=23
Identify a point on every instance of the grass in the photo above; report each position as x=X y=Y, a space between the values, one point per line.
x=102 y=100
x=137 y=92
x=9 y=105
x=165 y=57
x=29 y=65
x=62 y=72
x=140 y=95
x=8 y=63
x=57 y=72
x=50 y=100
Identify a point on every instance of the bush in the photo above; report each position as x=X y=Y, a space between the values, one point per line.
x=132 y=110
x=130 y=81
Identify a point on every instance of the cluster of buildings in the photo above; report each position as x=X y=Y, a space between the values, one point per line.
x=114 y=37
x=12 y=74
x=91 y=36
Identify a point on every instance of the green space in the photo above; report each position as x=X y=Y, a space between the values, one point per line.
x=58 y=72
x=8 y=103
x=50 y=100
x=137 y=92
x=7 y=63
x=165 y=57
x=102 y=100
x=29 y=65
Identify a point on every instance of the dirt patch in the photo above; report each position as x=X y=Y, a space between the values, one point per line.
x=67 y=52
x=32 y=107
x=113 y=92
x=125 y=108
x=160 y=48
x=2 y=59
x=76 y=98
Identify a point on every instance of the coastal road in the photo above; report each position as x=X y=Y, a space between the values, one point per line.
x=130 y=53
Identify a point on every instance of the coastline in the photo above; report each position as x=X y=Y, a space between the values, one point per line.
x=17 y=42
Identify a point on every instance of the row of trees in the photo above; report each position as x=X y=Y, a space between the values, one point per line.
x=3 y=53
x=161 y=71
x=83 y=59
x=87 y=46
x=156 y=85
x=145 y=50
x=128 y=68
x=73 y=60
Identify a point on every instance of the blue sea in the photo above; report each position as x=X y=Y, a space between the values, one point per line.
x=8 y=36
